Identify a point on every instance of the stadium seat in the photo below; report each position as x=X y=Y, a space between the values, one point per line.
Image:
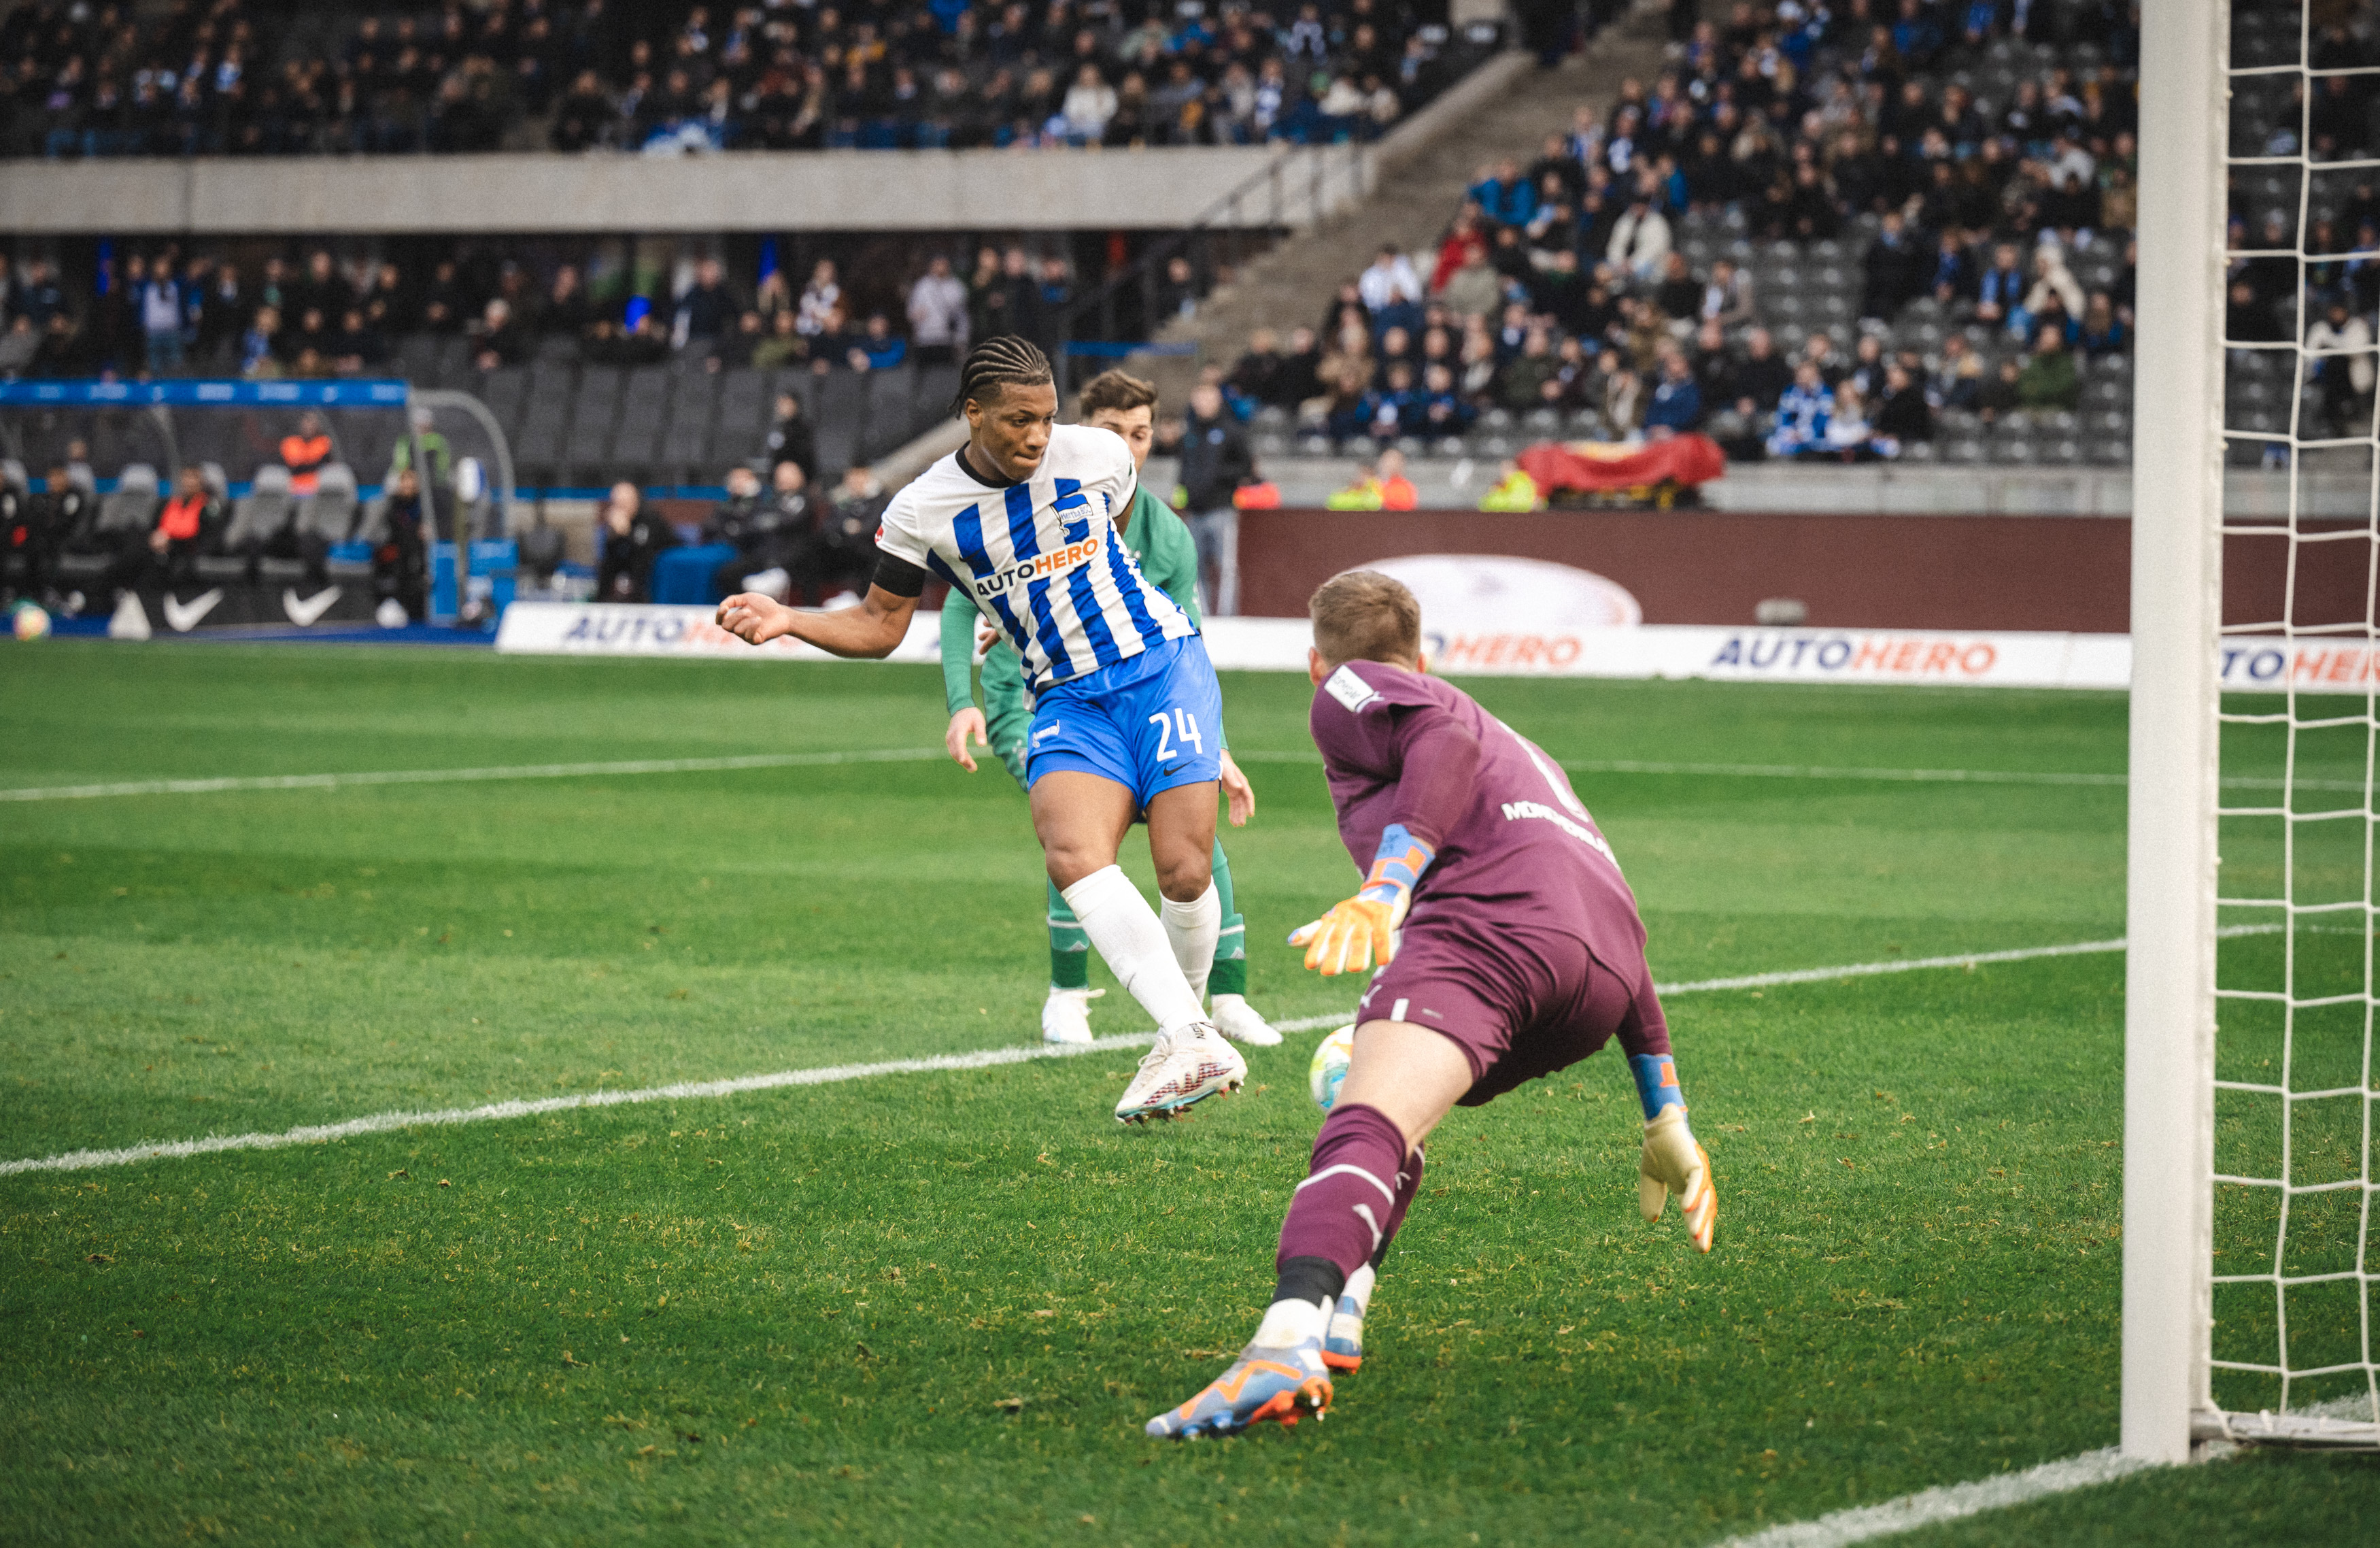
x=891 y=396
x=840 y=410
x=742 y=416
x=937 y=385
x=686 y=445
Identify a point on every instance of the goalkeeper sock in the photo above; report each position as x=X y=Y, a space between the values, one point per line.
x=1070 y=949
x=1291 y=1321
x=1132 y=943
x=1343 y=1213
x=1191 y=929
x=1359 y=1289
x=1231 y=974
x=1408 y=1184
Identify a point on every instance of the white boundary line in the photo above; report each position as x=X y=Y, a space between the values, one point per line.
x=1950 y=1502
x=1947 y=1503
x=380 y=1123
x=925 y=754
x=448 y=777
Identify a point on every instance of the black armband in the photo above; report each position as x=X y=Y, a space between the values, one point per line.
x=898 y=576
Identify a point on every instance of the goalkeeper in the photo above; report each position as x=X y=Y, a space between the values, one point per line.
x=1169 y=559
x=1511 y=947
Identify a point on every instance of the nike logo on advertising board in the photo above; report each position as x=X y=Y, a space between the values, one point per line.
x=183 y=617
x=303 y=613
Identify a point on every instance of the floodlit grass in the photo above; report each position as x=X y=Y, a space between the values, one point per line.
x=904 y=1310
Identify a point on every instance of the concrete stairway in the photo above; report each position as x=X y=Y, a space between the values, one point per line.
x=1419 y=188
x=1505 y=108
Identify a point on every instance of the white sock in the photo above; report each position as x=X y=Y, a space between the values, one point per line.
x=1124 y=930
x=1290 y=1323
x=1359 y=1287
x=1192 y=929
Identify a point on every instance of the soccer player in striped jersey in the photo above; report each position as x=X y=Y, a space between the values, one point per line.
x=1160 y=544
x=1126 y=710
x=1510 y=947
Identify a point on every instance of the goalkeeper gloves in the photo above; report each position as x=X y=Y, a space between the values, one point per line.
x=1672 y=1163
x=1346 y=939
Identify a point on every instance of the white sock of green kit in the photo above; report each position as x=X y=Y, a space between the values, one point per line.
x=1192 y=927
x=1124 y=930
x=1288 y=1323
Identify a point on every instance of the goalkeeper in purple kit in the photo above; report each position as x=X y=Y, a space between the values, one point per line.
x=1510 y=949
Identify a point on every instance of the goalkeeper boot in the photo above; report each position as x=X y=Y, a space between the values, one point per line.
x=1238 y=1020
x=1343 y=1341
x=1283 y=1385
x=1187 y=1066
x=1066 y=1014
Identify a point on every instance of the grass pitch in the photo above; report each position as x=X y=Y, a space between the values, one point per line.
x=905 y=1308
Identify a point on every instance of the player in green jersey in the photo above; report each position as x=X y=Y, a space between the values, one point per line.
x=1162 y=545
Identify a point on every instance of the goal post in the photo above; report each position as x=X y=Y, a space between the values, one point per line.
x=2251 y=1093
x=2175 y=744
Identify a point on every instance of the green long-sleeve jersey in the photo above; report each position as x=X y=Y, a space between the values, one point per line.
x=1158 y=542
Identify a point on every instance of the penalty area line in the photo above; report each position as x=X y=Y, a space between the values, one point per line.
x=986 y=1058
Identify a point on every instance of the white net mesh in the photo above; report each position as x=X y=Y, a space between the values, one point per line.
x=2295 y=1256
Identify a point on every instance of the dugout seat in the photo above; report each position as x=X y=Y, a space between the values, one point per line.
x=133 y=503
x=259 y=519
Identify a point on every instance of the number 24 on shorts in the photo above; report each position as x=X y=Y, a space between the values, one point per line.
x=1173 y=724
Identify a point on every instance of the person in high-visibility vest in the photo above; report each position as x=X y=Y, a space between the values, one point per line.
x=1514 y=491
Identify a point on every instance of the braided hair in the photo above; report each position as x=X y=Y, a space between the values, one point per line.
x=1002 y=360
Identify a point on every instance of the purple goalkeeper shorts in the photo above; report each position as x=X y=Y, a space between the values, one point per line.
x=1521 y=1001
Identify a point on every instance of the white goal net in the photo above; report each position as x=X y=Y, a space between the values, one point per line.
x=2254 y=997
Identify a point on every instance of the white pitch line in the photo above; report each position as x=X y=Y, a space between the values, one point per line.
x=1951 y=1501
x=380 y=1123
x=1947 y=1503
x=1968 y=960
x=1821 y=772
x=923 y=754
x=446 y=776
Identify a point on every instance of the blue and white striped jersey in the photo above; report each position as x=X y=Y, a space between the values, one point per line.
x=1041 y=558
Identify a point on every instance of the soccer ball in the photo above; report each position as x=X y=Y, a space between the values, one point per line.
x=1330 y=1066
x=31 y=622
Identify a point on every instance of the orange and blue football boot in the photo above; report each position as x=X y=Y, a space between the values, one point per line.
x=1280 y=1384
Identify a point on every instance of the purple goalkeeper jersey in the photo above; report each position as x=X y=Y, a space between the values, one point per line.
x=1515 y=846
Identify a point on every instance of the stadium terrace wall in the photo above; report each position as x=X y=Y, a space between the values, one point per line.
x=2057 y=574
x=1166 y=187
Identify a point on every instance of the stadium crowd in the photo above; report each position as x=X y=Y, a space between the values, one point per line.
x=230 y=78
x=309 y=312
x=1822 y=232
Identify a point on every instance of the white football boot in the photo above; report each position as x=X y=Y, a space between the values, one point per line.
x=1238 y=1020
x=1190 y=1065
x=1066 y=1014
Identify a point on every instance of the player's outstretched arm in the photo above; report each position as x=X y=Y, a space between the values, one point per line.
x=1671 y=1162
x=874 y=630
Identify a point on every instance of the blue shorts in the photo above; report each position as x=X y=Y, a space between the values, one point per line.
x=1149 y=724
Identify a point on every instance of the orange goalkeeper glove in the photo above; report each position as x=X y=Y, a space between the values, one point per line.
x=1346 y=939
